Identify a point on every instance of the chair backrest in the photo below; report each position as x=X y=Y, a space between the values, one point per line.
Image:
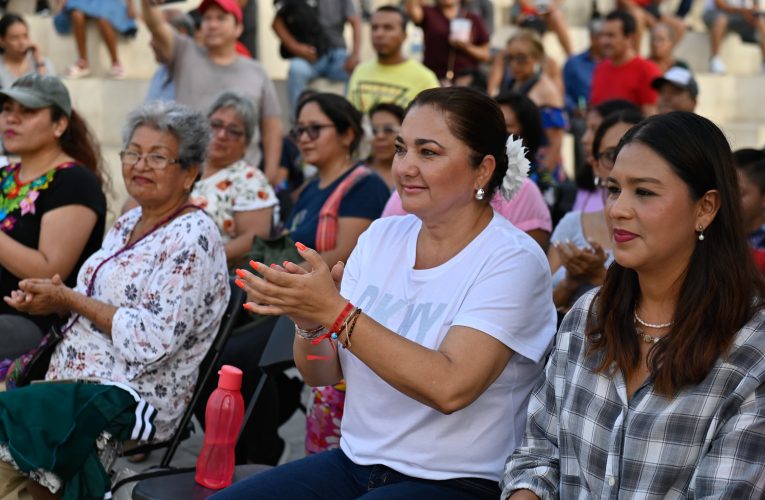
x=277 y=355
x=230 y=317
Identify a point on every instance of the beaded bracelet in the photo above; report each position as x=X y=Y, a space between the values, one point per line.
x=311 y=334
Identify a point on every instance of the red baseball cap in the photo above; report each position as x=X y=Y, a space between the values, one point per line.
x=230 y=6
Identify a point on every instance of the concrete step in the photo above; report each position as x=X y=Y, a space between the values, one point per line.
x=731 y=98
x=744 y=134
x=105 y=103
x=134 y=53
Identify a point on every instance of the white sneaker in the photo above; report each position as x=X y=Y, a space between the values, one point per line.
x=77 y=70
x=717 y=66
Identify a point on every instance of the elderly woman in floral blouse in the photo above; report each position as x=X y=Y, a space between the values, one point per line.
x=235 y=194
x=147 y=305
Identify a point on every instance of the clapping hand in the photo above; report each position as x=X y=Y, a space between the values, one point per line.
x=582 y=264
x=308 y=295
x=40 y=296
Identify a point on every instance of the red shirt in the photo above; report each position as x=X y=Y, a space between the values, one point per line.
x=630 y=81
x=435 y=32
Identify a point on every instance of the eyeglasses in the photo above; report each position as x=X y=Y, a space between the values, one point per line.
x=385 y=130
x=607 y=158
x=312 y=130
x=518 y=58
x=231 y=131
x=153 y=160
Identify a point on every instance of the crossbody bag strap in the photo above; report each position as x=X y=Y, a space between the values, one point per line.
x=326 y=230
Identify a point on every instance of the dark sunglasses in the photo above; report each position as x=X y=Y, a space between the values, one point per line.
x=312 y=130
x=519 y=58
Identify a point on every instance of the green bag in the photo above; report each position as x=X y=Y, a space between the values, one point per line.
x=274 y=250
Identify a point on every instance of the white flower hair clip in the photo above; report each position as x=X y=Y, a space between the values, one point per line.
x=517 y=166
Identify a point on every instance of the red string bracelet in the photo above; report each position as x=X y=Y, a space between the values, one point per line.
x=332 y=333
x=341 y=319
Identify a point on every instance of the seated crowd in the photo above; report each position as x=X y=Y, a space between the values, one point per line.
x=472 y=320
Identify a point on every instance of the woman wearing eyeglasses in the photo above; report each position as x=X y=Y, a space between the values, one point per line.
x=581 y=243
x=142 y=316
x=328 y=132
x=52 y=203
x=386 y=120
x=234 y=193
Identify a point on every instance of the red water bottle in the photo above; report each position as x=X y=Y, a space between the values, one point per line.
x=223 y=418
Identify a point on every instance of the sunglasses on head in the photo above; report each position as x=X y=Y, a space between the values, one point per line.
x=385 y=130
x=312 y=130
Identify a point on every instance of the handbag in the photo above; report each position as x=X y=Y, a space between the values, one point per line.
x=273 y=250
x=33 y=365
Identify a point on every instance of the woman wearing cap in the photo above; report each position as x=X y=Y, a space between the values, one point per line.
x=52 y=203
x=455 y=317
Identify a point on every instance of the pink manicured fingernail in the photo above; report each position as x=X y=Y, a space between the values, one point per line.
x=284 y=264
x=239 y=283
x=273 y=266
x=248 y=307
x=254 y=264
x=301 y=247
x=240 y=273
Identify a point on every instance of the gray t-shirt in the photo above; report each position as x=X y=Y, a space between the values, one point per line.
x=198 y=81
x=332 y=17
x=7 y=78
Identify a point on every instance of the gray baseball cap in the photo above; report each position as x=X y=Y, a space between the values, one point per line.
x=36 y=91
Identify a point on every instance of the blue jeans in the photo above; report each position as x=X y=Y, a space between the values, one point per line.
x=332 y=475
x=301 y=72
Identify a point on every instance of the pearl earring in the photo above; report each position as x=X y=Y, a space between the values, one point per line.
x=701 y=232
x=480 y=194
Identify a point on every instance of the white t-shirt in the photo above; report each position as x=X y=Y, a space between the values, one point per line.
x=498 y=284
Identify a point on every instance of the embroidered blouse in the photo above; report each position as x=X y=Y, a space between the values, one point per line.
x=23 y=205
x=239 y=187
x=171 y=290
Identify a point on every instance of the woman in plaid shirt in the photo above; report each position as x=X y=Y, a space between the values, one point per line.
x=656 y=387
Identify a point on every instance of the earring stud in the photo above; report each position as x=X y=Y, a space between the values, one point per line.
x=480 y=194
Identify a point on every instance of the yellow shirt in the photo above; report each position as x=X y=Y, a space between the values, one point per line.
x=372 y=82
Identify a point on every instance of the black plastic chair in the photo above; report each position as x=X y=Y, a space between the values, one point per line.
x=276 y=358
x=229 y=321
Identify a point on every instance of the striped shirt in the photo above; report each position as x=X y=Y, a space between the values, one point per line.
x=585 y=439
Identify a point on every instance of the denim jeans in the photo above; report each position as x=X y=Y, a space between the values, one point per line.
x=332 y=475
x=301 y=72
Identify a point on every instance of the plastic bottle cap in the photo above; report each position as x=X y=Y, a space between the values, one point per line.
x=230 y=378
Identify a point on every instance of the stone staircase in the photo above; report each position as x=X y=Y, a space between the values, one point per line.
x=734 y=101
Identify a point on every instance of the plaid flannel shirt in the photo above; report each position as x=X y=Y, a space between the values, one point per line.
x=585 y=439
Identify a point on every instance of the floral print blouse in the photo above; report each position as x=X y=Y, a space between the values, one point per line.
x=171 y=290
x=239 y=187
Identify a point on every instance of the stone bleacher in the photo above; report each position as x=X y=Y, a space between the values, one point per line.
x=734 y=101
